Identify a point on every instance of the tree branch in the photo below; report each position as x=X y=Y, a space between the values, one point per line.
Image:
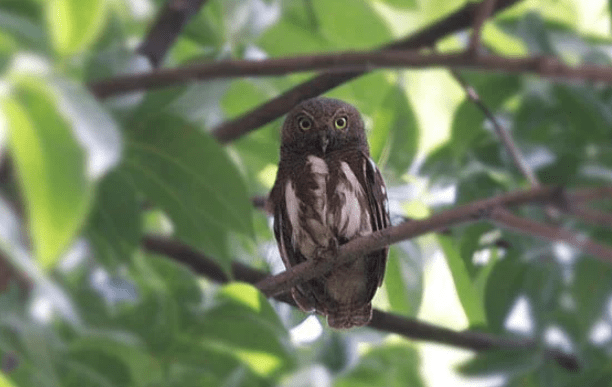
x=591 y=194
x=471 y=212
x=382 y=321
x=483 y=11
x=591 y=216
x=276 y=107
x=168 y=25
x=504 y=135
x=505 y=219
x=349 y=61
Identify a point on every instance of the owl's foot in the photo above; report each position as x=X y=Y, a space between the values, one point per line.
x=328 y=253
x=302 y=300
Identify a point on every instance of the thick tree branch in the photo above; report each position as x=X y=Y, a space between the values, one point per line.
x=169 y=23
x=382 y=321
x=349 y=61
x=471 y=212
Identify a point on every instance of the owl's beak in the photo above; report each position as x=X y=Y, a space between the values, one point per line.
x=324 y=141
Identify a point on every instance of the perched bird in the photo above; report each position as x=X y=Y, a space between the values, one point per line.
x=327 y=192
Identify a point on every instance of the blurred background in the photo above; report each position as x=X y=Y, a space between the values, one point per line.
x=92 y=183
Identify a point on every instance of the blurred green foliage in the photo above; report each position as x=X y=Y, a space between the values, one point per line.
x=90 y=178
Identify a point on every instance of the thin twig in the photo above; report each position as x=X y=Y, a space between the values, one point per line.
x=504 y=135
x=382 y=321
x=484 y=10
x=169 y=23
x=506 y=219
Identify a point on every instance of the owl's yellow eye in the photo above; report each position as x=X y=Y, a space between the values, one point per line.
x=304 y=123
x=340 y=123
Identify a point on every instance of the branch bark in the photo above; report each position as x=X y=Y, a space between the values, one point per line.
x=481 y=15
x=276 y=107
x=471 y=212
x=505 y=219
x=169 y=23
x=382 y=321
x=504 y=135
x=339 y=63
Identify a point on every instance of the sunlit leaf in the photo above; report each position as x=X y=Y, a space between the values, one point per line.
x=340 y=22
x=92 y=126
x=5 y=382
x=51 y=168
x=470 y=299
x=74 y=24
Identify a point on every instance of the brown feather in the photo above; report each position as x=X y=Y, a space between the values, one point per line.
x=327 y=192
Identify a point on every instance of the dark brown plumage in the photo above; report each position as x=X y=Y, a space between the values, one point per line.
x=327 y=192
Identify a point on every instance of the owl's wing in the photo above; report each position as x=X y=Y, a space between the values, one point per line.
x=282 y=229
x=376 y=192
x=302 y=294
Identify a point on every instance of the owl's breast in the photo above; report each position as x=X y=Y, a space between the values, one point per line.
x=325 y=202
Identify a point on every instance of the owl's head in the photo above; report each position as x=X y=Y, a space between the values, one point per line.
x=319 y=126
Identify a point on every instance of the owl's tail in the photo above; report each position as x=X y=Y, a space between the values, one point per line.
x=351 y=316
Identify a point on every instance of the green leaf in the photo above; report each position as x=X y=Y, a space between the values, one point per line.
x=177 y=282
x=94 y=128
x=75 y=24
x=584 y=113
x=114 y=226
x=93 y=367
x=244 y=324
x=591 y=290
x=5 y=382
x=154 y=319
x=395 y=135
x=51 y=167
x=534 y=32
x=479 y=185
x=502 y=288
x=467 y=127
x=296 y=25
x=141 y=367
x=471 y=300
x=403 y=282
x=503 y=361
x=386 y=366
x=344 y=23
x=409 y=4
x=186 y=173
x=22 y=29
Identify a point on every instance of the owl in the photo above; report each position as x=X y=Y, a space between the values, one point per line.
x=327 y=192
